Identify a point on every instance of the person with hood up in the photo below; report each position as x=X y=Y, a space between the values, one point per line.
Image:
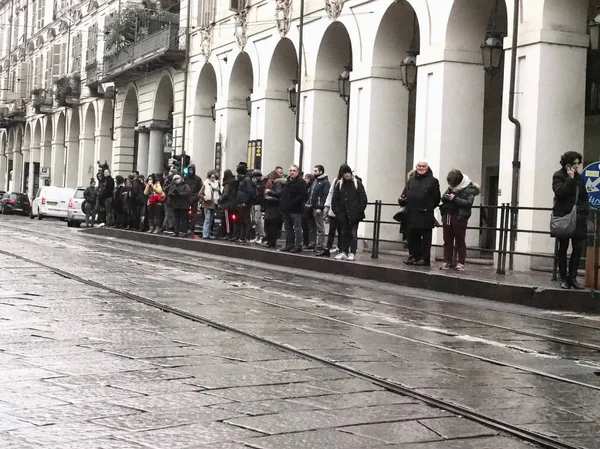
x=209 y=194
x=118 y=202
x=227 y=201
x=293 y=198
x=137 y=202
x=456 y=211
x=108 y=188
x=195 y=183
x=349 y=203
x=272 y=213
x=179 y=194
x=244 y=197
x=89 y=208
x=421 y=196
x=316 y=200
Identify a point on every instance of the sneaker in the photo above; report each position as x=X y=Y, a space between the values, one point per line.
x=296 y=249
x=324 y=253
x=445 y=266
x=459 y=267
x=351 y=257
x=335 y=250
x=341 y=256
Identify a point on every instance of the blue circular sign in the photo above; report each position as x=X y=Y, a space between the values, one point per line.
x=591 y=176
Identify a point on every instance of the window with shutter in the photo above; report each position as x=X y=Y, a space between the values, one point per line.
x=48 y=71
x=56 y=62
x=64 y=62
x=40 y=14
x=76 y=53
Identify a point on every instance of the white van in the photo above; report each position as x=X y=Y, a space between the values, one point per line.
x=51 y=202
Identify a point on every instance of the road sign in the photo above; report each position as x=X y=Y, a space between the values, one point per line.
x=591 y=176
x=45 y=172
x=168 y=142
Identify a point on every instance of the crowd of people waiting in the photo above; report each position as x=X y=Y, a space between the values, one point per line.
x=254 y=208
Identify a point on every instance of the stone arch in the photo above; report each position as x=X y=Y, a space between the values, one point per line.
x=46 y=146
x=87 y=147
x=104 y=140
x=329 y=142
x=164 y=99
x=33 y=179
x=571 y=16
x=468 y=22
x=126 y=148
x=3 y=160
x=37 y=134
x=27 y=136
x=73 y=149
x=279 y=141
x=241 y=82
x=203 y=154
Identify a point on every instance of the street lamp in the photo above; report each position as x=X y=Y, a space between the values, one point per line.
x=492 y=52
x=408 y=71
x=293 y=96
x=594 y=27
x=344 y=84
x=249 y=104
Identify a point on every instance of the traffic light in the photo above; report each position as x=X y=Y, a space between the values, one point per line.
x=175 y=163
x=185 y=163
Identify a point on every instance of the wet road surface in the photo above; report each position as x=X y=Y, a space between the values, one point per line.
x=542 y=376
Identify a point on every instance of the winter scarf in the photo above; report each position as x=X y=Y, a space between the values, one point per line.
x=466 y=182
x=211 y=191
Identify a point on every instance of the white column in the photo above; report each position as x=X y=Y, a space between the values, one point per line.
x=72 y=163
x=57 y=166
x=87 y=163
x=17 y=175
x=449 y=119
x=550 y=103
x=324 y=127
x=45 y=159
x=236 y=125
x=202 y=147
x=156 y=151
x=34 y=156
x=378 y=140
x=275 y=124
x=3 y=171
x=143 y=151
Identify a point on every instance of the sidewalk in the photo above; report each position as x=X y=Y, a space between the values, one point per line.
x=526 y=288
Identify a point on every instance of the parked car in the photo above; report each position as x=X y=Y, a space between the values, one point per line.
x=51 y=202
x=75 y=214
x=15 y=203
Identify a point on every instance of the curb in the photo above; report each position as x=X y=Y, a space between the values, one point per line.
x=527 y=295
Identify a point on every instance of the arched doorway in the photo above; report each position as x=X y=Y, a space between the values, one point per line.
x=162 y=123
x=33 y=177
x=236 y=114
x=17 y=163
x=127 y=155
x=87 y=148
x=327 y=132
x=27 y=158
x=73 y=150
x=104 y=136
x=46 y=150
x=3 y=160
x=279 y=139
x=203 y=149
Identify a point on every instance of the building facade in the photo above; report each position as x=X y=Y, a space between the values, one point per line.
x=218 y=75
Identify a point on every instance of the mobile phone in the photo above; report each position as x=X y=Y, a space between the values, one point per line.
x=569 y=167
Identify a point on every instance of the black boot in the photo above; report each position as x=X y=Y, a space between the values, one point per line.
x=565 y=285
x=572 y=281
x=324 y=253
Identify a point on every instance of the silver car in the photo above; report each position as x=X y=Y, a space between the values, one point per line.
x=75 y=214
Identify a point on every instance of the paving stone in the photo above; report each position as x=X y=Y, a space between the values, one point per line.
x=499 y=442
x=536 y=416
x=392 y=412
x=192 y=436
x=287 y=364
x=351 y=385
x=451 y=428
x=43 y=416
x=395 y=432
x=170 y=401
x=156 y=387
x=262 y=392
x=93 y=393
x=11 y=442
x=99 y=443
x=264 y=407
x=61 y=433
x=320 y=439
x=350 y=400
x=8 y=422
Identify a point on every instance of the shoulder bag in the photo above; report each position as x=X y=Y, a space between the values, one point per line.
x=564 y=227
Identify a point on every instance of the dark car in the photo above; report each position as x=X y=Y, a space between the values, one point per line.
x=15 y=203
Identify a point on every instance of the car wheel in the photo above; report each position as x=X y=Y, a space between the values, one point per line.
x=77 y=224
x=69 y=224
x=39 y=215
x=31 y=214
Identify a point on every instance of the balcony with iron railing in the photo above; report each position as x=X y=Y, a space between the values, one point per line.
x=42 y=101
x=143 y=41
x=67 y=90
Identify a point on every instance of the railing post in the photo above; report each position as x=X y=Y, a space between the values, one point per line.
x=514 y=218
x=555 y=261
x=507 y=228
x=500 y=240
x=376 y=221
x=596 y=247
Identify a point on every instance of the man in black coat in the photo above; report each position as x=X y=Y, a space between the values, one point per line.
x=195 y=183
x=421 y=196
x=295 y=195
x=108 y=189
x=179 y=194
x=244 y=199
x=565 y=183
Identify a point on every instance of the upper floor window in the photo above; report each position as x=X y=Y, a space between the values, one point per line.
x=206 y=13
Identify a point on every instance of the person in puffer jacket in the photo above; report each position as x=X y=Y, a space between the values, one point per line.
x=456 y=206
x=334 y=227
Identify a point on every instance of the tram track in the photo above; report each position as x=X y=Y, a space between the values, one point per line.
x=545 y=441
x=550 y=338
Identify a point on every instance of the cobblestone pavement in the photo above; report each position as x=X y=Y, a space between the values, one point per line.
x=80 y=363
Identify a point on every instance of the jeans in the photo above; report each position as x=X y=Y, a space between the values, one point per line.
x=293 y=230
x=156 y=216
x=349 y=236
x=179 y=217
x=208 y=220
x=563 y=246
x=245 y=223
x=257 y=220
x=192 y=217
x=90 y=214
x=455 y=231
x=317 y=228
x=110 y=220
x=169 y=219
x=272 y=228
x=419 y=243
x=333 y=230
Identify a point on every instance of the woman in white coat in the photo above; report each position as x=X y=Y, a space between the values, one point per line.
x=334 y=227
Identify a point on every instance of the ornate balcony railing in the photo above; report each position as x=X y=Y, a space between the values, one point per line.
x=158 y=41
x=16 y=108
x=41 y=101
x=67 y=90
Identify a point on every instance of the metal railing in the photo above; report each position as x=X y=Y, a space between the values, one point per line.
x=503 y=242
